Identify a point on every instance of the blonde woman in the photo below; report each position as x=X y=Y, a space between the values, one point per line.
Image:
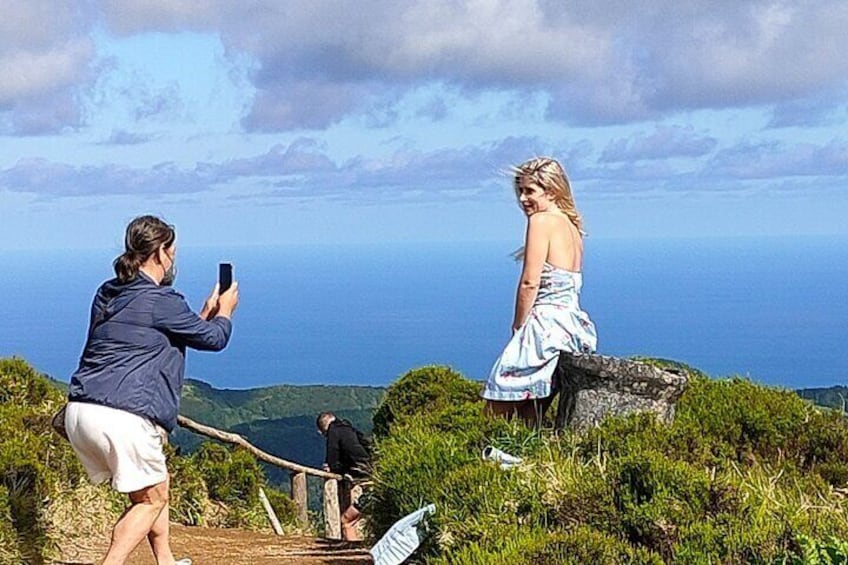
x=548 y=318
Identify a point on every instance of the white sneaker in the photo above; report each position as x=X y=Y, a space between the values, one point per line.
x=185 y=561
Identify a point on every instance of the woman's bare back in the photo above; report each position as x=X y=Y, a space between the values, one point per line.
x=565 y=244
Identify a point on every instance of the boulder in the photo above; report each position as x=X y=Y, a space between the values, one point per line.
x=592 y=387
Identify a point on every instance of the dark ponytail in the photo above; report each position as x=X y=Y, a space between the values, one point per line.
x=145 y=235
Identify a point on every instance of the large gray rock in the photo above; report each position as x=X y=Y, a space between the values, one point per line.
x=593 y=387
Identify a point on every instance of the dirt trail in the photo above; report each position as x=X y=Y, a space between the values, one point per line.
x=213 y=546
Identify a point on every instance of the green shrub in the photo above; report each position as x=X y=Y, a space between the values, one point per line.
x=8 y=536
x=36 y=465
x=426 y=389
x=232 y=476
x=735 y=419
x=537 y=546
x=284 y=507
x=823 y=446
x=411 y=470
x=831 y=551
x=188 y=493
x=745 y=474
x=656 y=496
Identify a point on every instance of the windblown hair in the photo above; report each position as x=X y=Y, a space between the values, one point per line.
x=548 y=174
x=144 y=236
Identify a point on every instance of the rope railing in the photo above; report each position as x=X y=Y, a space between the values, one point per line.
x=332 y=518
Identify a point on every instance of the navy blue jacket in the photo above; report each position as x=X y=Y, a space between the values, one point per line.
x=134 y=357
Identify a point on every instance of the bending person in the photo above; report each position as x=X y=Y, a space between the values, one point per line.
x=125 y=396
x=548 y=318
x=347 y=455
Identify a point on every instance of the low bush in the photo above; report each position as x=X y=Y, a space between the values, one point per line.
x=9 y=552
x=745 y=474
x=426 y=389
x=219 y=486
x=36 y=465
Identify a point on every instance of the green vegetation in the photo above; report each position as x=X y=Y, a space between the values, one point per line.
x=35 y=464
x=219 y=486
x=226 y=408
x=48 y=508
x=433 y=388
x=745 y=474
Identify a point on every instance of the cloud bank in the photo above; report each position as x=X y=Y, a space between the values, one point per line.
x=303 y=169
x=318 y=62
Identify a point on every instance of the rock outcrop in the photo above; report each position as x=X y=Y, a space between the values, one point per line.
x=593 y=387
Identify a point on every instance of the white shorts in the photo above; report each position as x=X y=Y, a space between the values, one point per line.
x=117 y=445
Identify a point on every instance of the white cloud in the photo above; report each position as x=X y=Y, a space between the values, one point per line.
x=601 y=61
x=663 y=143
x=45 y=56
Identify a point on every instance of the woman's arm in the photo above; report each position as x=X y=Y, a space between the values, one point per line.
x=172 y=315
x=535 y=252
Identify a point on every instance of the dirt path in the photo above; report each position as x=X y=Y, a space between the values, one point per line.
x=211 y=546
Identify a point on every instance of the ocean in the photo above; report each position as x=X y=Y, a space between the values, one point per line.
x=772 y=309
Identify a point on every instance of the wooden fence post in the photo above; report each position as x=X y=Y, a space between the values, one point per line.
x=298 y=494
x=332 y=517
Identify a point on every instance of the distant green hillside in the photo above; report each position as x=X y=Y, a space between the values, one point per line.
x=227 y=407
x=831 y=397
x=278 y=419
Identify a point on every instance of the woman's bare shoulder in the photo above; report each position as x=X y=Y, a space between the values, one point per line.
x=548 y=219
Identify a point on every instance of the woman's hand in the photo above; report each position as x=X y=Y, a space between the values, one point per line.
x=210 y=307
x=228 y=301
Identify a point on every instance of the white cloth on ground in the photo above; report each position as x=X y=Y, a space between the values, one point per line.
x=401 y=540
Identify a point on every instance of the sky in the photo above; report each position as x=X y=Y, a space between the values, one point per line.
x=263 y=122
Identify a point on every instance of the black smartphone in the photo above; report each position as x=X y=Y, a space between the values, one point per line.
x=225 y=276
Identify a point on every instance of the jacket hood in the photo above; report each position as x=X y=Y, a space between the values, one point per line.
x=114 y=295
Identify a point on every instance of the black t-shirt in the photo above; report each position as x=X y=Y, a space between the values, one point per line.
x=345 y=453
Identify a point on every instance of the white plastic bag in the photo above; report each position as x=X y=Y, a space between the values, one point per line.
x=401 y=540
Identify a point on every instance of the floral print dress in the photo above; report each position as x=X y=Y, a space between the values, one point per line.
x=555 y=323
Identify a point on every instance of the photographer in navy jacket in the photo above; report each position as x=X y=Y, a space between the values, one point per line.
x=124 y=397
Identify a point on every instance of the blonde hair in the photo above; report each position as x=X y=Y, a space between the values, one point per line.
x=548 y=174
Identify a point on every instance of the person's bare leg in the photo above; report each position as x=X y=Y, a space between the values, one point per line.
x=136 y=521
x=502 y=409
x=159 y=538
x=350 y=521
x=159 y=535
x=527 y=413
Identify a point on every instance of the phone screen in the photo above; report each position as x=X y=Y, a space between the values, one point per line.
x=225 y=276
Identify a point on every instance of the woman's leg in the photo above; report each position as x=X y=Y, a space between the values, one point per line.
x=502 y=408
x=533 y=412
x=136 y=522
x=159 y=535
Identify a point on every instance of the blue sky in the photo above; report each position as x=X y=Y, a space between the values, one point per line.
x=267 y=122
